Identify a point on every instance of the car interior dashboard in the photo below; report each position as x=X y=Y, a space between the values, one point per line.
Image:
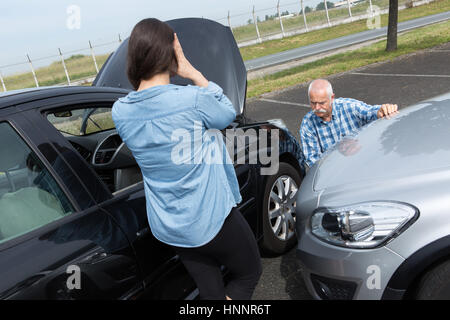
x=108 y=155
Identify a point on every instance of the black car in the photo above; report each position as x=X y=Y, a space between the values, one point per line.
x=73 y=221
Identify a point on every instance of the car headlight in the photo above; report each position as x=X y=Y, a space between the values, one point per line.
x=362 y=225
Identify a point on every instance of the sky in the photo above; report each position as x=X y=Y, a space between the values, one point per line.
x=39 y=27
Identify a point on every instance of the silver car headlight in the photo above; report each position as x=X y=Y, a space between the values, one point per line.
x=362 y=225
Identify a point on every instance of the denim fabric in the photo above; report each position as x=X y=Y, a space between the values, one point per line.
x=171 y=131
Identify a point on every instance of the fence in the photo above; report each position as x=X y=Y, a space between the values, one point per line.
x=287 y=19
x=284 y=19
x=72 y=67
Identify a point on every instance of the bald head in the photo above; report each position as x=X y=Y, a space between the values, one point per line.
x=321 y=97
x=321 y=87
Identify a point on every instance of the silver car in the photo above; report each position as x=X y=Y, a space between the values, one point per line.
x=374 y=222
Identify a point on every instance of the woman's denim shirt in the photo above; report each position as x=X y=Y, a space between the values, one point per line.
x=189 y=179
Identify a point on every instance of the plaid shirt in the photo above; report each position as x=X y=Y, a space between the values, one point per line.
x=348 y=115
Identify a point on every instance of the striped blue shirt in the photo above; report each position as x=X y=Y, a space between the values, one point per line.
x=348 y=115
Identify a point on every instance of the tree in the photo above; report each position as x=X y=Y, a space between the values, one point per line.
x=321 y=5
x=307 y=10
x=391 y=44
x=271 y=17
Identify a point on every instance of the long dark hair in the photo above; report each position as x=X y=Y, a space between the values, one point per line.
x=150 y=51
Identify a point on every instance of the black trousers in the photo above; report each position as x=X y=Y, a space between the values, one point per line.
x=234 y=247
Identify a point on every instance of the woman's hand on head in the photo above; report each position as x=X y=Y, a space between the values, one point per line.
x=185 y=68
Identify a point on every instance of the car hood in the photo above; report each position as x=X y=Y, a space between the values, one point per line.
x=208 y=45
x=415 y=141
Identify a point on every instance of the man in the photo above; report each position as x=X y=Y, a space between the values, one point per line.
x=332 y=119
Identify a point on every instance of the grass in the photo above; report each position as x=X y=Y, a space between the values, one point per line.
x=274 y=46
x=72 y=125
x=78 y=66
x=418 y=39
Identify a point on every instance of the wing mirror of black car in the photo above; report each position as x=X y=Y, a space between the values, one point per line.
x=63 y=114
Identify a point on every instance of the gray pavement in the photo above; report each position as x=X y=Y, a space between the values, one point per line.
x=404 y=81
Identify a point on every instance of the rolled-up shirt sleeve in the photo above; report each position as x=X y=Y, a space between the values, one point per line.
x=366 y=112
x=216 y=110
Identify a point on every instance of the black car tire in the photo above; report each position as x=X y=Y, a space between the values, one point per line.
x=435 y=284
x=271 y=244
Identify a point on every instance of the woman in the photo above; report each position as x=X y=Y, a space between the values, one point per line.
x=191 y=205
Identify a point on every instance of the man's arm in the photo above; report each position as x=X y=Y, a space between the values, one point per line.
x=368 y=113
x=310 y=145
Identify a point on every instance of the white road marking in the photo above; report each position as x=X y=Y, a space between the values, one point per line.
x=287 y=103
x=402 y=75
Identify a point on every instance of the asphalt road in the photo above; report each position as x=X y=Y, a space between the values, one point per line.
x=403 y=81
x=316 y=48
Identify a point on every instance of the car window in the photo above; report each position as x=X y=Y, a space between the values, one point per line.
x=104 y=152
x=29 y=195
x=80 y=122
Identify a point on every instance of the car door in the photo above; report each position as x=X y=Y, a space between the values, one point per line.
x=162 y=274
x=52 y=245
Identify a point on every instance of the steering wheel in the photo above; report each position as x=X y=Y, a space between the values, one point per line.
x=112 y=153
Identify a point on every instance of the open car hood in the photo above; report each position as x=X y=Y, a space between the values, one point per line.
x=208 y=45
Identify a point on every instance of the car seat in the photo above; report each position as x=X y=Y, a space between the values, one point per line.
x=26 y=208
